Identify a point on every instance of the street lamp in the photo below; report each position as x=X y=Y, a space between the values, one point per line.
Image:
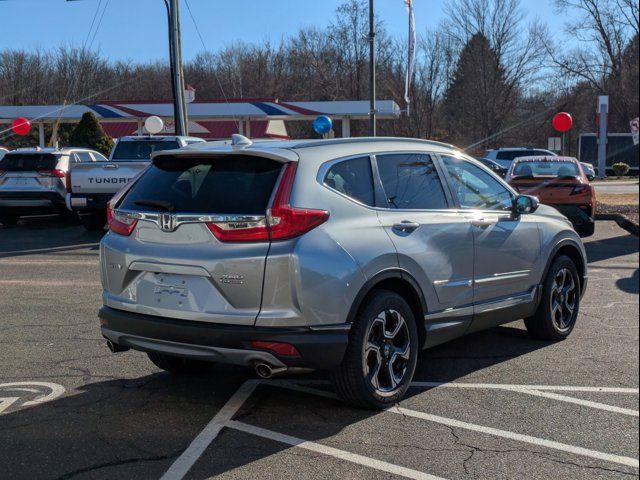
x=175 y=62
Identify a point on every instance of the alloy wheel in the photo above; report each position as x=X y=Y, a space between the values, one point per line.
x=564 y=299
x=387 y=352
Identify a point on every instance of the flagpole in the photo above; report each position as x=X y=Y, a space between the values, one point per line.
x=372 y=72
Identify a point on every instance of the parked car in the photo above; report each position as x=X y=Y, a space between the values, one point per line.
x=504 y=156
x=589 y=171
x=92 y=185
x=34 y=180
x=349 y=255
x=559 y=182
x=495 y=167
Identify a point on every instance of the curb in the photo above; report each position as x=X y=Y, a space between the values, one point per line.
x=623 y=221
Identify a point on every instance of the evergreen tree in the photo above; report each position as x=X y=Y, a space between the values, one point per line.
x=479 y=100
x=88 y=133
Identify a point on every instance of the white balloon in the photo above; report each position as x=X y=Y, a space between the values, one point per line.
x=153 y=124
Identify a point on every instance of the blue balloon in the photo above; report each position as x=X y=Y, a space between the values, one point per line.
x=322 y=124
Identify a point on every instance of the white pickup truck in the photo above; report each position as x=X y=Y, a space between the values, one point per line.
x=91 y=185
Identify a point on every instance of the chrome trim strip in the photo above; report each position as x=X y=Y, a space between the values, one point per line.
x=484 y=307
x=497 y=277
x=340 y=327
x=453 y=283
x=450 y=313
x=182 y=218
x=507 y=302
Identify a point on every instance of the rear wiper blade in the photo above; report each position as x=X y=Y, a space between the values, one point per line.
x=518 y=177
x=159 y=204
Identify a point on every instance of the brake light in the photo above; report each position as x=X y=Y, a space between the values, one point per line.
x=282 y=222
x=279 y=348
x=119 y=223
x=52 y=173
x=67 y=180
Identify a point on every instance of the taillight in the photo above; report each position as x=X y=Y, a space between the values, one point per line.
x=283 y=221
x=52 y=173
x=118 y=223
x=67 y=180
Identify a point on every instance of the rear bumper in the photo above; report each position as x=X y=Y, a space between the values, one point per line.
x=577 y=214
x=319 y=348
x=35 y=200
x=88 y=203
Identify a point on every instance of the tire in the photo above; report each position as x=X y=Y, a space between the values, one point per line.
x=555 y=319
x=586 y=230
x=382 y=312
x=9 y=219
x=178 y=365
x=94 y=222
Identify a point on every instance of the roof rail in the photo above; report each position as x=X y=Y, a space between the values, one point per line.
x=336 y=141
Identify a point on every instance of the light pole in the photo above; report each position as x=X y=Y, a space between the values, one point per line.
x=372 y=71
x=175 y=61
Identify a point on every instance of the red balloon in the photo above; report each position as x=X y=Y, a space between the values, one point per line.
x=21 y=126
x=562 y=121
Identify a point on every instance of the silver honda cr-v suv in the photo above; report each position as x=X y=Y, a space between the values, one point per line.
x=348 y=255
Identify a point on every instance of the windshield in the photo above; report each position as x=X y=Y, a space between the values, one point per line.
x=547 y=169
x=141 y=149
x=28 y=162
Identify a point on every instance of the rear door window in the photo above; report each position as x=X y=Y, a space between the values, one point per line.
x=352 y=178
x=28 y=162
x=224 y=185
x=411 y=181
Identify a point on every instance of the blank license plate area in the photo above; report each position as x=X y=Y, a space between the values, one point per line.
x=189 y=293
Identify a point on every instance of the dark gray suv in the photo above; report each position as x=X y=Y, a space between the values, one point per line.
x=347 y=255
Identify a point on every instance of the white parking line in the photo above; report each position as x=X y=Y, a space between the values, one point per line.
x=190 y=456
x=332 y=452
x=579 y=401
x=506 y=386
x=450 y=422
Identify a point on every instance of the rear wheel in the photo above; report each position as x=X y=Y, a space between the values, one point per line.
x=178 y=365
x=558 y=310
x=382 y=353
x=94 y=221
x=9 y=218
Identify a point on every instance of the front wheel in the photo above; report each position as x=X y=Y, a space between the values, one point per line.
x=558 y=310
x=178 y=365
x=381 y=357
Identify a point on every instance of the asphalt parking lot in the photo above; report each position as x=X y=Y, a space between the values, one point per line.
x=492 y=405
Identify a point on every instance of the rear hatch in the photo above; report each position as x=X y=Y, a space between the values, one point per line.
x=103 y=177
x=30 y=172
x=189 y=239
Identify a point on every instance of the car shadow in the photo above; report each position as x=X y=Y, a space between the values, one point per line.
x=612 y=247
x=137 y=428
x=46 y=234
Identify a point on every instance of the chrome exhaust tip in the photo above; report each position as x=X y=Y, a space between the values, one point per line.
x=115 y=348
x=264 y=370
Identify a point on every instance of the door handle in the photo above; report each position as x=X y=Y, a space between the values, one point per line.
x=110 y=165
x=482 y=222
x=406 y=226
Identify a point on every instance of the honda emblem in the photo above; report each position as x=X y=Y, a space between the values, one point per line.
x=167 y=222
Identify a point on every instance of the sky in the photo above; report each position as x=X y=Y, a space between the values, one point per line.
x=136 y=29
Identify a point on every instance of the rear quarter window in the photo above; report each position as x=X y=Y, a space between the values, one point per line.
x=352 y=178
x=222 y=185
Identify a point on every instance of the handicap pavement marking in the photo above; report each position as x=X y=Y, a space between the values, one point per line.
x=224 y=419
x=21 y=394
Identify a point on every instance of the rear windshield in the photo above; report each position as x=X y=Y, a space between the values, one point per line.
x=28 y=162
x=225 y=185
x=555 y=169
x=141 y=149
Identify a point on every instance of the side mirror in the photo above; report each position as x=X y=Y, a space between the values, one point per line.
x=591 y=178
x=524 y=204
